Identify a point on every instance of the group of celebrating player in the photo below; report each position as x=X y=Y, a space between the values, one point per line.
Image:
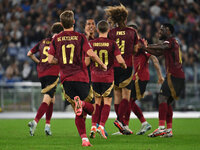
x=111 y=57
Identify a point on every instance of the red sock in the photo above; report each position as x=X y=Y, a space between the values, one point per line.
x=88 y=107
x=95 y=116
x=169 y=117
x=127 y=115
x=80 y=124
x=116 y=108
x=49 y=113
x=100 y=110
x=163 y=108
x=123 y=107
x=137 y=111
x=104 y=114
x=84 y=115
x=42 y=109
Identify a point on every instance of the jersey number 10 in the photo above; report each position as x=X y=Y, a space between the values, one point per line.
x=101 y=53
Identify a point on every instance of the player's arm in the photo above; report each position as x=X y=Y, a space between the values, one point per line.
x=135 y=49
x=87 y=61
x=157 y=49
x=136 y=43
x=121 y=61
x=95 y=58
x=52 y=60
x=51 y=53
x=32 y=56
x=158 y=70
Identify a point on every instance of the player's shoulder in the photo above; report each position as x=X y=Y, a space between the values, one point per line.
x=170 y=40
x=130 y=29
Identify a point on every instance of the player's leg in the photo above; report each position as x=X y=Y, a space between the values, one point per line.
x=163 y=110
x=48 y=84
x=86 y=94
x=127 y=115
x=138 y=112
x=48 y=117
x=95 y=116
x=80 y=124
x=41 y=111
x=104 y=116
x=117 y=99
x=168 y=131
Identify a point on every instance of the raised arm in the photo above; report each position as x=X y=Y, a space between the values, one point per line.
x=158 y=70
x=32 y=56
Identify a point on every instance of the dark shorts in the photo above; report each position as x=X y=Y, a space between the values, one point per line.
x=103 y=89
x=172 y=87
x=49 y=84
x=75 y=88
x=123 y=77
x=138 y=89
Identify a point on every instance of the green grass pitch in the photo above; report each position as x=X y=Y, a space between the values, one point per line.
x=14 y=135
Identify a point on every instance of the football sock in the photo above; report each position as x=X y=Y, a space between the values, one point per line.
x=127 y=115
x=49 y=113
x=137 y=111
x=88 y=107
x=116 y=108
x=100 y=110
x=144 y=123
x=80 y=124
x=42 y=109
x=95 y=116
x=85 y=139
x=104 y=114
x=122 y=109
x=84 y=115
x=169 y=117
x=163 y=108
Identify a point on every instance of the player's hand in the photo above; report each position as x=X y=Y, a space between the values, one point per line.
x=104 y=67
x=160 y=80
x=124 y=66
x=145 y=42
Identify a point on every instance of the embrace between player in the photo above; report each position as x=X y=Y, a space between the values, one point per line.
x=67 y=52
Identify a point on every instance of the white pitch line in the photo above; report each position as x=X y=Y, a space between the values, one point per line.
x=31 y=115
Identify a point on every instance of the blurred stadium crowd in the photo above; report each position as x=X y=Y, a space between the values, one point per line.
x=25 y=22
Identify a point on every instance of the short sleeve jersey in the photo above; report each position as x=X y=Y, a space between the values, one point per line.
x=106 y=49
x=141 y=65
x=126 y=39
x=44 y=68
x=69 y=47
x=173 y=59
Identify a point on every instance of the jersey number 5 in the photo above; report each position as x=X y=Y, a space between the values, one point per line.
x=72 y=47
x=45 y=52
x=101 y=53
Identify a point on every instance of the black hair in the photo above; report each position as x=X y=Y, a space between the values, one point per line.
x=170 y=26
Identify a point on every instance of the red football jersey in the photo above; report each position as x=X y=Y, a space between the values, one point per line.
x=69 y=47
x=173 y=59
x=106 y=49
x=126 y=38
x=141 y=65
x=44 y=68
